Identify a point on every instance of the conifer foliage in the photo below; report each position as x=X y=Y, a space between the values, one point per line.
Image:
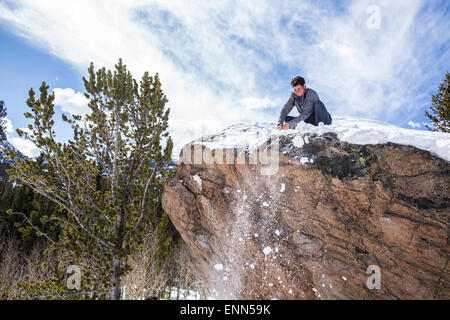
x=440 y=107
x=106 y=181
x=2 y=120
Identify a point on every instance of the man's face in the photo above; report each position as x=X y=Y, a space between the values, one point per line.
x=299 y=89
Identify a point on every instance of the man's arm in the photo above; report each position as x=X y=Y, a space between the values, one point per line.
x=308 y=109
x=286 y=109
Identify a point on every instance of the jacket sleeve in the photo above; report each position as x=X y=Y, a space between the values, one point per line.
x=286 y=109
x=308 y=109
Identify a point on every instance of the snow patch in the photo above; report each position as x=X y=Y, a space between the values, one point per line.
x=304 y=160
x=198 y=180
x=306 y=139
x=267 y=251
x=298 y=141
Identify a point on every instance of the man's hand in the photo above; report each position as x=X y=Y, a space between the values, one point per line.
x=283 y=126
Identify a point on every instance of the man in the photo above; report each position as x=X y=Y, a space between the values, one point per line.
x=307 y=102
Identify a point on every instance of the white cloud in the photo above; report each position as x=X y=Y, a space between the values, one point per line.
x=414 y=124
x=253 y=103
x=214 y=58
x=71 y=101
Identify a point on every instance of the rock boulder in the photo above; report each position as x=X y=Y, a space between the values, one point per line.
x=336 y=220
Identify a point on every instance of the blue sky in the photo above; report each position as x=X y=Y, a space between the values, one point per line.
x=23 y=67
x=230 y=62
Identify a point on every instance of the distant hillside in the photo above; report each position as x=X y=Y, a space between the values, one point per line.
x=5 y=144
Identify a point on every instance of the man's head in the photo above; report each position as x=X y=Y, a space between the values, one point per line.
x=298 y=84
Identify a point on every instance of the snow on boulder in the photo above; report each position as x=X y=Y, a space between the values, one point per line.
x=348 y=129
x=198 y=180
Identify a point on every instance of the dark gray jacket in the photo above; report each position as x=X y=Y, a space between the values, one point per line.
x=305 y=108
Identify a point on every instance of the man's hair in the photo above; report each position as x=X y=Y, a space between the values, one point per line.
x=296 y=81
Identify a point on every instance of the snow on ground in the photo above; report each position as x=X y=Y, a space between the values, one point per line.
x=175 y=294
x=348 y=129
x=187 y=295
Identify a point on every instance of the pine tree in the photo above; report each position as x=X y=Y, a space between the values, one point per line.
x=102 y=181
x=440 y=107
x=32 y=206
x=2 y=121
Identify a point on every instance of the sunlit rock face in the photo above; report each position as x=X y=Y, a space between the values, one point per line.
x=331 y=220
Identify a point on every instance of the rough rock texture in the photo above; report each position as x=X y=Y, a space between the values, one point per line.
x=311 y=230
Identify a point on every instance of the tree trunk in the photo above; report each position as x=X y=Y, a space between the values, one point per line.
x=115 y=290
